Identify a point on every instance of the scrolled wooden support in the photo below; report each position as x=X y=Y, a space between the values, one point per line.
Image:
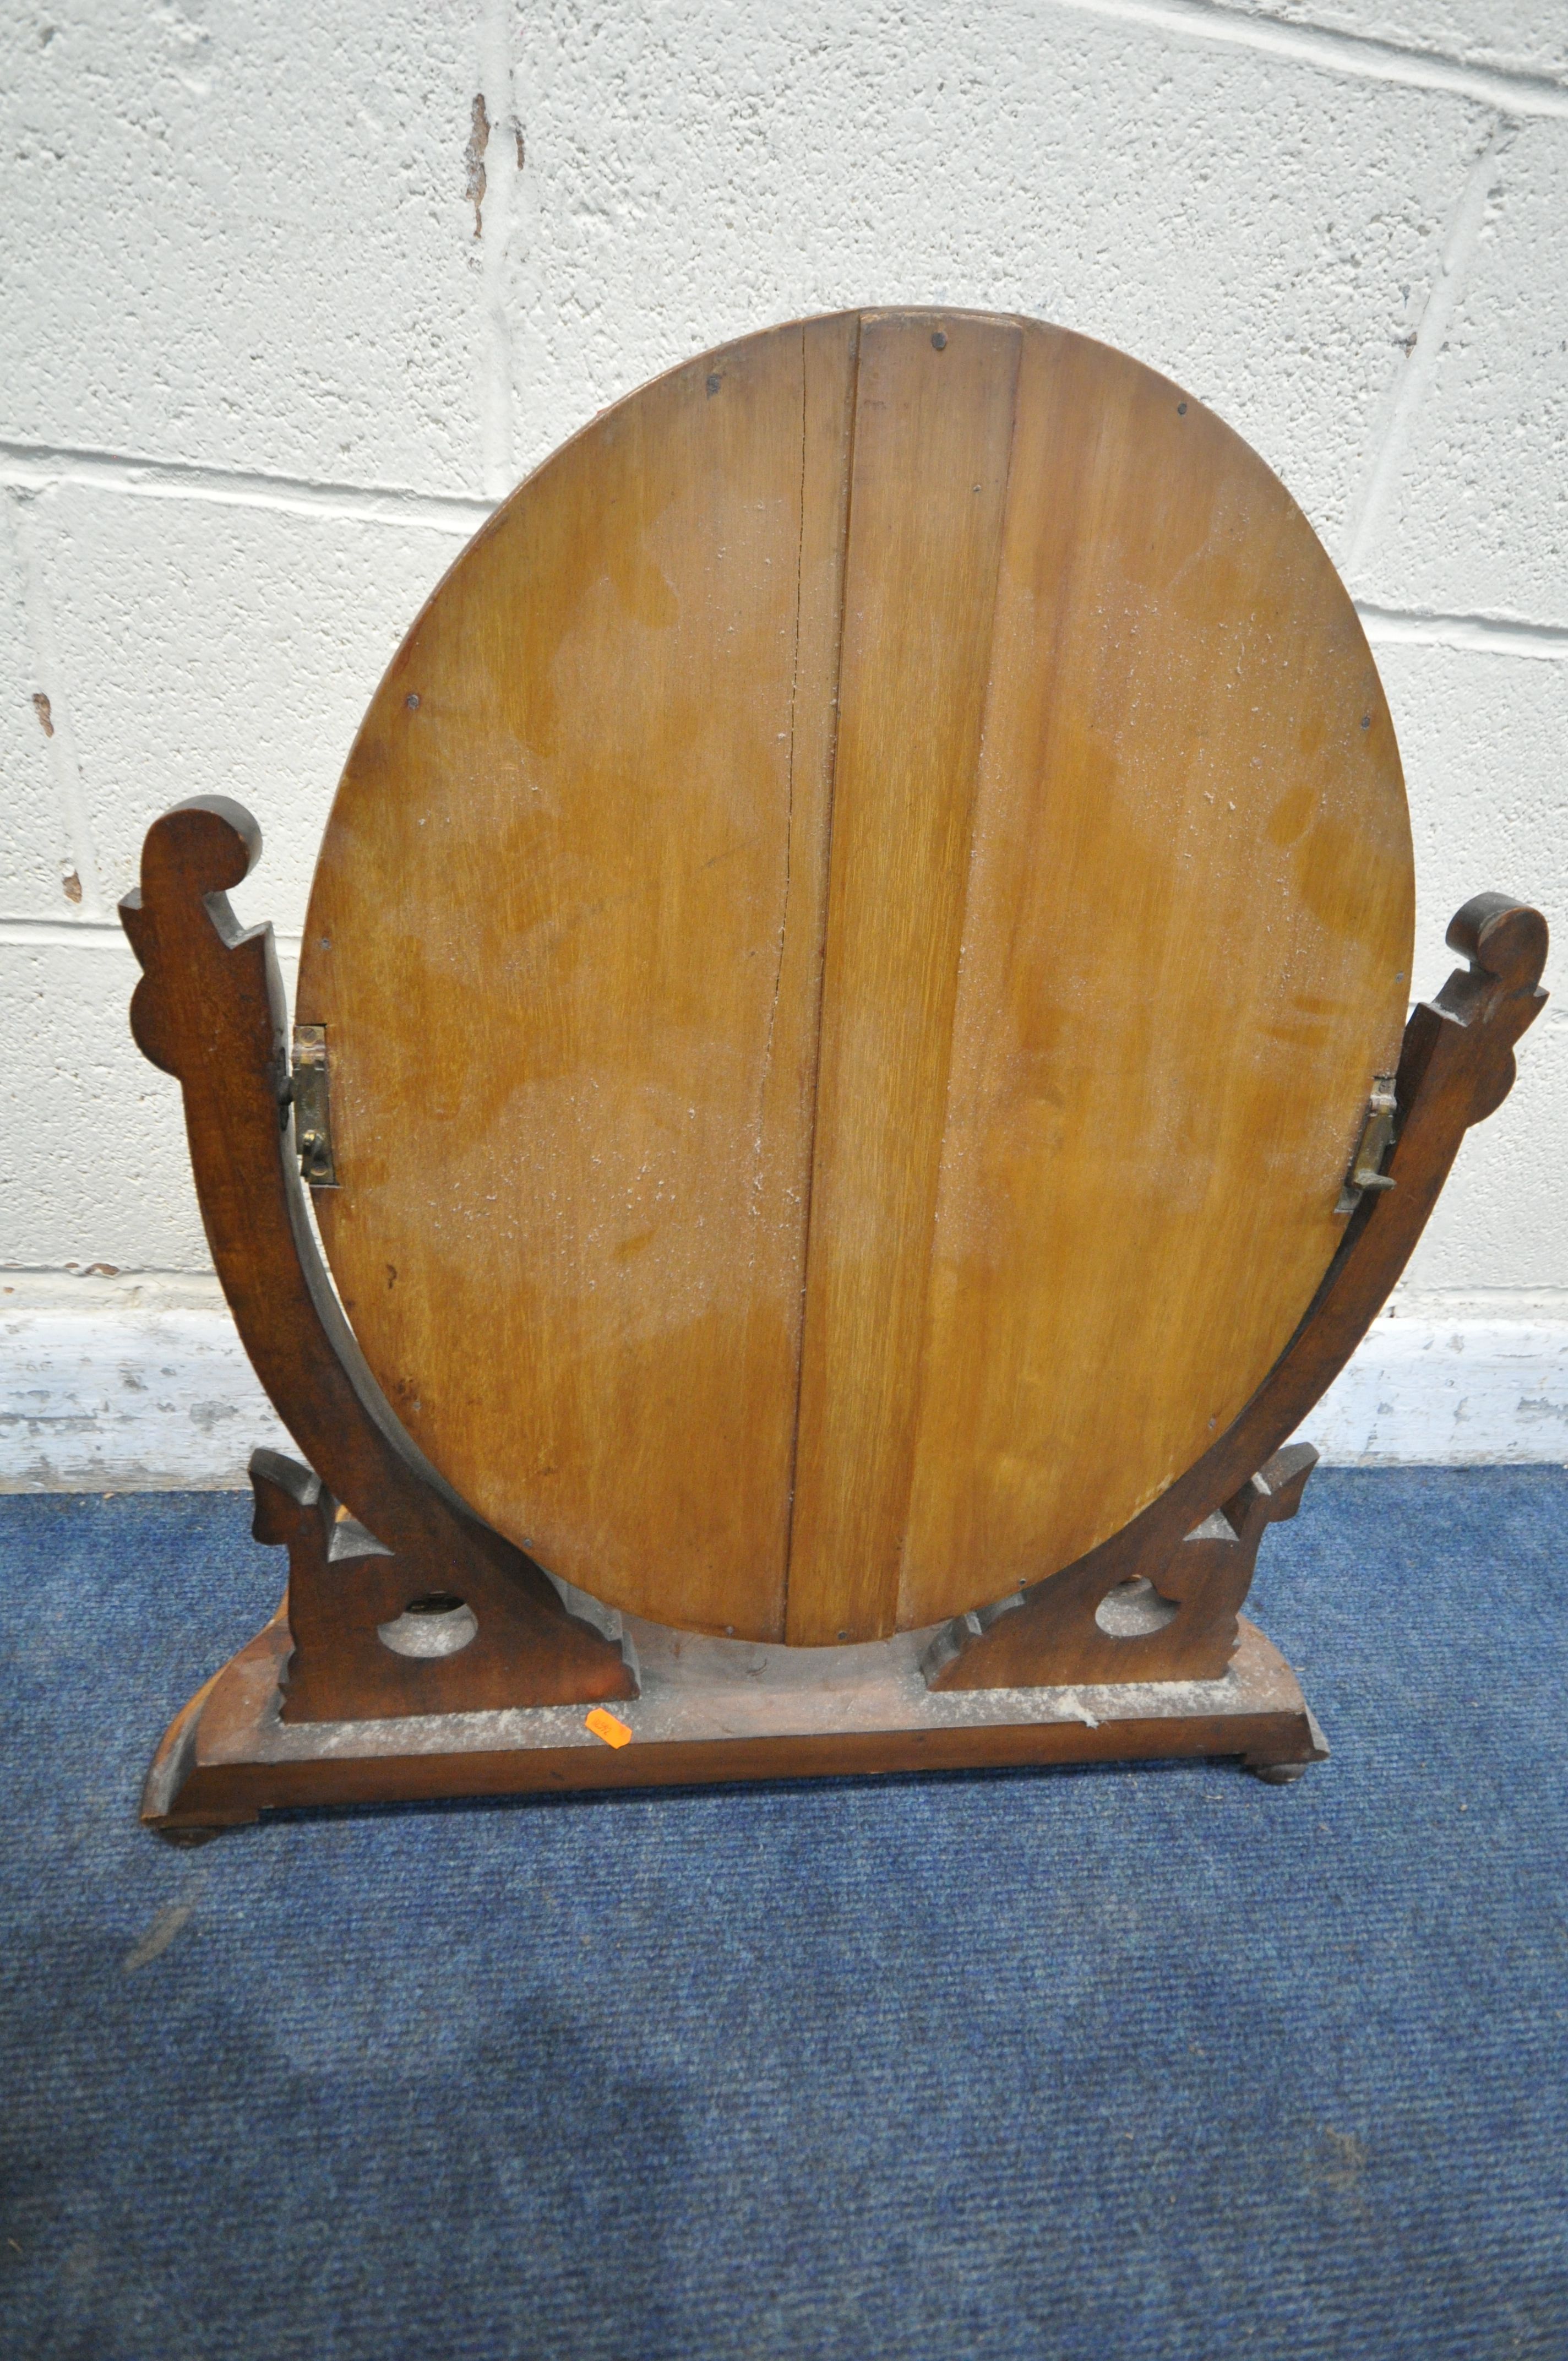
x=209 y=1010
x=1456 y=1067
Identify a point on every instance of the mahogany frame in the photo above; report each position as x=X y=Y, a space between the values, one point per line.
x=320 y=1708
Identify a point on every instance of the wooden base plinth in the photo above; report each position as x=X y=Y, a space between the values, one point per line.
x=710 y=1710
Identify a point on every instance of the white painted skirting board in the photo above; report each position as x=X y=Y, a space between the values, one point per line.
x=142 y=1386
x=1426 y=1391
x=157 y=1398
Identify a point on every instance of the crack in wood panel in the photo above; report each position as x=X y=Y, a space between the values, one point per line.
x=933 y=419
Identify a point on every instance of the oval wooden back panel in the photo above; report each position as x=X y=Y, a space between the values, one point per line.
x=855 y=939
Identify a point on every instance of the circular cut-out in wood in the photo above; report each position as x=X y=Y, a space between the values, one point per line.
x=854 y=940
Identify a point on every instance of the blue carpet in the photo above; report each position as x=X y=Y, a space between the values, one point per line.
x=1111 y=2064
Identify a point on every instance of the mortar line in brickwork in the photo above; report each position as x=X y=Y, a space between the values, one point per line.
x=39 y=466
x=36 y=466
x=1355 y=54
x=497 y=130
x=25 y=933
x=1492 y=635
x=1419 y=368
x=54 y=710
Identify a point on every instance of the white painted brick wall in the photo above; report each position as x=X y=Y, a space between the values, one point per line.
x=260 y=379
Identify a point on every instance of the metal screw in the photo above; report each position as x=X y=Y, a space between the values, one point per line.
x=939 y=341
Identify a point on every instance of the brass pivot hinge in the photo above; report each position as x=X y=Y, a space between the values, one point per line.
x=1377 y=1137
x=313 y=1110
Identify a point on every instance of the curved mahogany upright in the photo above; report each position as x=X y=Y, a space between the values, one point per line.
x=209 y=1010
x=1195 y=1547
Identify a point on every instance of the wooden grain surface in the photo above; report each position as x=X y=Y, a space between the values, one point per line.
x=960 y=696
x=928 y=489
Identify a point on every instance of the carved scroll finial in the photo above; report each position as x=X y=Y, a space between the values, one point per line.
x=193 y=855
x=1505 y=943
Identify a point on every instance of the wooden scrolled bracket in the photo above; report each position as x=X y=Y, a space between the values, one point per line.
x=1194 y=1548
x=377 y=1542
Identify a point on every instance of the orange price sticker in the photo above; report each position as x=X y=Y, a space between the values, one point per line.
x=604 y=1725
